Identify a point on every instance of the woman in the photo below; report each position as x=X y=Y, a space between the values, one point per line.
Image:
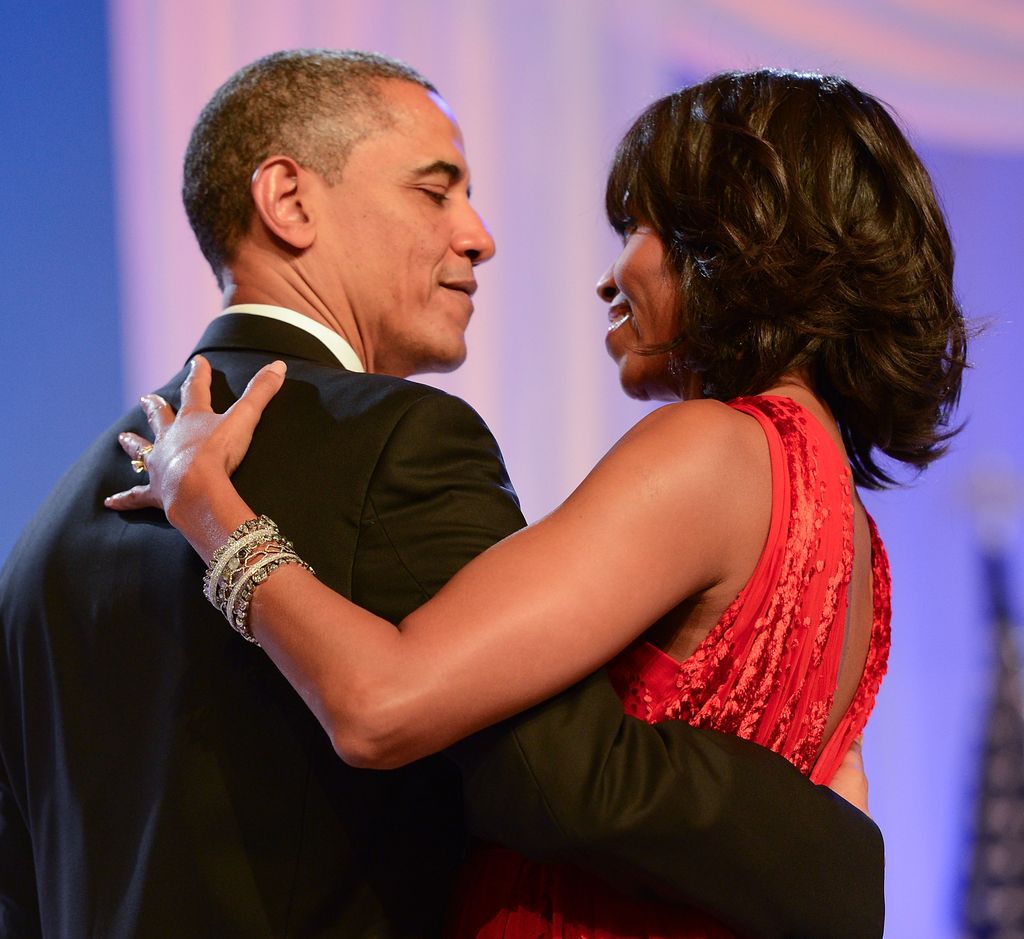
x=786 y=275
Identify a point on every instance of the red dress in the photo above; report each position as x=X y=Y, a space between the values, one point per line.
x=767 y=671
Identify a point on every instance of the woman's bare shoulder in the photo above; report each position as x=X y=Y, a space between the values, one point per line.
x=693 y=463
x=701 y=435
x=689 y=489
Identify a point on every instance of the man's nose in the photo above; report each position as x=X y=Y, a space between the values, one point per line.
x=606 y=286
x=473 y=239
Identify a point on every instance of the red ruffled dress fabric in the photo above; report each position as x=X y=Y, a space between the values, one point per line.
x=767 y=672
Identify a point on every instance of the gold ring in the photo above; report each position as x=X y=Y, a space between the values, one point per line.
x=139 y=463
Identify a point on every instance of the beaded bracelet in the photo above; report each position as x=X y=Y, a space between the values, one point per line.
x=250 y=555
x=226 y=562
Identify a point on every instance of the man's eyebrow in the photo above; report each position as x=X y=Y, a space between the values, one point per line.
x=453 y=172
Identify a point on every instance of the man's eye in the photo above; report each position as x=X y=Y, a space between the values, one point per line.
x=439 y=197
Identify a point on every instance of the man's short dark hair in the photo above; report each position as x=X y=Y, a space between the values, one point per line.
x=313 y=105
x=803 y=232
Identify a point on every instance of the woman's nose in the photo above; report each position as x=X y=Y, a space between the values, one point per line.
x=606 y=286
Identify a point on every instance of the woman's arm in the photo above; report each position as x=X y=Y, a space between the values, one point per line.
x=540 y=610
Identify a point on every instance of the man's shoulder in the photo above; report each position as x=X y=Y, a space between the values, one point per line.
x=394 y=402
x=402 y=392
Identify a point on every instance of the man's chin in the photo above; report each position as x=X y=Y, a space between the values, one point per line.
x=436 y=362
x=447 y=364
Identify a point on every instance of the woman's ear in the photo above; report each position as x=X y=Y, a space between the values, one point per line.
x=282 y=194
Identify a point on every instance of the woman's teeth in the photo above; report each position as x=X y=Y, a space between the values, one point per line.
x=618 y=321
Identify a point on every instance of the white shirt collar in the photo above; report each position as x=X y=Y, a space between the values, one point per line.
x=337 y=344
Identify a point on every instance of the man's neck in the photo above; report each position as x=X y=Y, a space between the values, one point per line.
x=335 y=342
x=292 y=293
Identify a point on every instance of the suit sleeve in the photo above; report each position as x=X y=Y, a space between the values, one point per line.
x=19 y=906
x=695 y=816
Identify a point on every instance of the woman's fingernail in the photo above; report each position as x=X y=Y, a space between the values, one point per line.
x=192 y=364
x=277 y=367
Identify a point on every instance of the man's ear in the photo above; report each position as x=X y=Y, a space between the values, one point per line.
x=282 y=195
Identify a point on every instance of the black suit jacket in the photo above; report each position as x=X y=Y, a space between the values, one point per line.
x=158 y=777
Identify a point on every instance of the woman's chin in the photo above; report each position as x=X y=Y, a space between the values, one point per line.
x=650 y=390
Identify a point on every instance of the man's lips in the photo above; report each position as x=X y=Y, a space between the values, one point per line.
x=467 y=286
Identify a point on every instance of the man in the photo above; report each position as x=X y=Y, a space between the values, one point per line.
x=160 y=778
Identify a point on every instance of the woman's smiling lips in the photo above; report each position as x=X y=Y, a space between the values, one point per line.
x=618 y=314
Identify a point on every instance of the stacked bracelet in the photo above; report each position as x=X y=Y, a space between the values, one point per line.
x=253 y=552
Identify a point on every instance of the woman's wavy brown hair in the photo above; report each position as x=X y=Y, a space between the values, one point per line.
x=805 y=234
